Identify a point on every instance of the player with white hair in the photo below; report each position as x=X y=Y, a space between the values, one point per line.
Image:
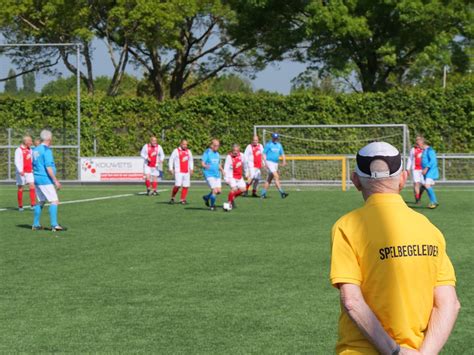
x=181 y=166
x=24 y=171
x=47 y=184
x=234 y=175
x=211 y=169
x=253 y=157
x=153 y=157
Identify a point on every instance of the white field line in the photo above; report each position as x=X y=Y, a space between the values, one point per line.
x=91 y=199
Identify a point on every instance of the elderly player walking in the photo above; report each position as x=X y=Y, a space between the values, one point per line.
x=153 y=157
x=254 y=161
x=181 y=165
x=24 y=171
x=44 y=170
x=396 y=282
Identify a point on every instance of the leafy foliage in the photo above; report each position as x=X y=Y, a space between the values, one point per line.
x=121 y=125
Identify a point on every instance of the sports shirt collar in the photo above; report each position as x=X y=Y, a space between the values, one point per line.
x=379 y=198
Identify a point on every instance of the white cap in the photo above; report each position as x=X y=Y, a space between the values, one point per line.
x=379 y=151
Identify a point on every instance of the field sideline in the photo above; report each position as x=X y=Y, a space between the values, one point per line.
x=134 y=274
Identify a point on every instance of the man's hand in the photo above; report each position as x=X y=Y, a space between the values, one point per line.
x=425 y=171
x=57 y=184
x=283 y=163
x=22 y=173
x=191 y=172
x=407 y=351
x=172 y=172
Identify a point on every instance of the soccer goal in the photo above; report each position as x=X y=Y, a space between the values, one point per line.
x=36 y=70
x=325 y=154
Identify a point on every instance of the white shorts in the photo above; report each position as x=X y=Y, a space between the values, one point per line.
x=151 y=171
x=214 y=183
x=429 y=181
x=236 y=183
x=27 y=178
x=255 y=173
x=272 y=167
x=418 y=176
x=46 y=193
x=182 y=179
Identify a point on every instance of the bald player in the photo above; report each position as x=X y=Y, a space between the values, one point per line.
x=24 y=171
x=389 y=263
x=253 y=156
x=212 y=169
x=153 y=157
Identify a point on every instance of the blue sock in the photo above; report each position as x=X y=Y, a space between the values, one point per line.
x=432 y=195
x=281 y=191
x=53 y=215
x=263 y=192
x=37 y=218
x=213 y=200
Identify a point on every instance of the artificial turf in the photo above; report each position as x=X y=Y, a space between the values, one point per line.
x=134 y=274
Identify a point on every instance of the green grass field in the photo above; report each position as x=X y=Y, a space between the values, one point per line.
x=133 y=274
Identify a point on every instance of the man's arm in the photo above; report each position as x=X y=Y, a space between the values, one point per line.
x=53 y=177
x=171 y=162
x=283 y=157
x=191 y=163
x=357 y=309
x=144 y=153
x=443 y=316
x=19 y=161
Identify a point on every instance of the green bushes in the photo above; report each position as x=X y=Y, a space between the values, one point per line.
x=120 y=125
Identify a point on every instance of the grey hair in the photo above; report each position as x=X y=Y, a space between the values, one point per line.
x=46 y=135
x=235 y=145
x=383 y=184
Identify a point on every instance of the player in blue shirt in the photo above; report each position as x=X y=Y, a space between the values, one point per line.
x=429 y=164
x=271 y=154
x=212 y=168
x=44 y=171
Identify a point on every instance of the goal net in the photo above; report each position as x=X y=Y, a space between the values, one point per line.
x=325 y=154
x=37 y=91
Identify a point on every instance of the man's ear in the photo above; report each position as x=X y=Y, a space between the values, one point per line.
x=403 y=179
x=356 y=181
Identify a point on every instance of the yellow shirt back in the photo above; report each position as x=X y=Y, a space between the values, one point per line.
x=397 y=257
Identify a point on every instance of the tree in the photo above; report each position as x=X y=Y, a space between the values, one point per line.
x=29 y=83
x=231 y=83
x=313 y=81
x=11 y=87
x=180 y=43
x=379 y=40
x=67 y=21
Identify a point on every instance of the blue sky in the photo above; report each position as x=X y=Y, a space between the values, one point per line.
x=276 y=77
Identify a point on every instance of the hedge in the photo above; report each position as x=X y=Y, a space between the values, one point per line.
x=120 y=125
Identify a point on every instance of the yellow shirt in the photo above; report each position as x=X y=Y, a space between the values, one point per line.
x=397 y=257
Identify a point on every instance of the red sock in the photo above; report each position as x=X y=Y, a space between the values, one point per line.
x=155 y=185
x=175 y=191
x=254 y=191
x=417 y=196
x=230 y=198
x=32 y=196
x=184 y=193
x=237 y=193
x=20 y=198
x=147 y=184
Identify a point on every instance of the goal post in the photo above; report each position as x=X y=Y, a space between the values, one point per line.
x=325 y=154
x=341 y=159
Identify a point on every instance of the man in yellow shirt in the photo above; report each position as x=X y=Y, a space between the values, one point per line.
x=390 y=265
